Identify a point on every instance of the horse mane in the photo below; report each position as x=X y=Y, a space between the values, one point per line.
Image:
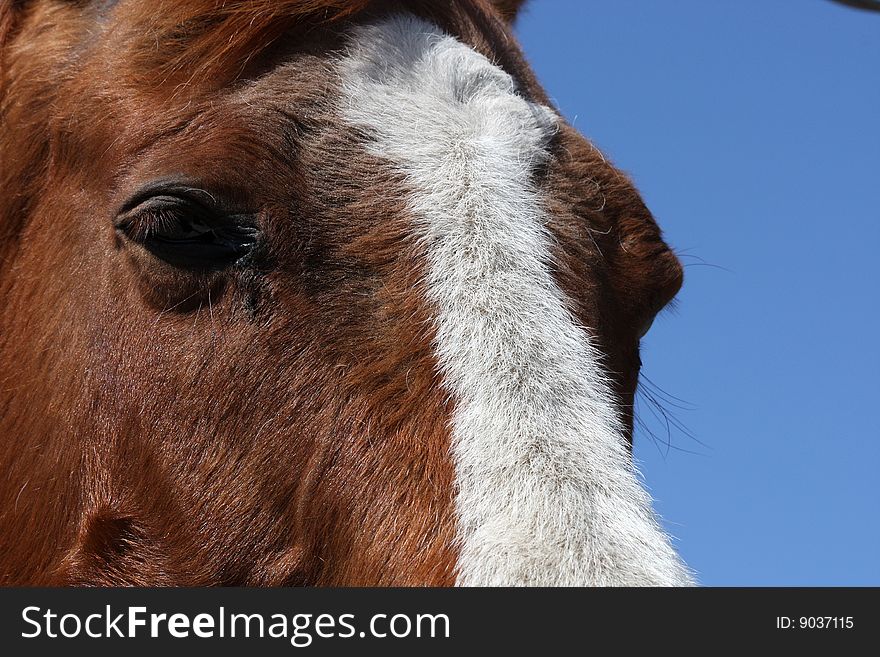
x=193 y=35
x=202 y=37
x=508 y=9
x=205 y=36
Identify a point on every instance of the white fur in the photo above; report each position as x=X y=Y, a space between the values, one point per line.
x=546 y=491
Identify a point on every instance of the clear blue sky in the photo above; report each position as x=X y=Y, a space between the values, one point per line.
x=752 y=129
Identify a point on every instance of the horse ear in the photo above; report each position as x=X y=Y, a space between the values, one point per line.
x=508 y=8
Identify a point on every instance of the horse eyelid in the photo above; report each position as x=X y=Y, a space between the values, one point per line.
x=186 y=232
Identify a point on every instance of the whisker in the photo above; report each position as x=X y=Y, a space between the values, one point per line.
x=670 y=417
x=659 y=414
x=701 y=262
x=654 y=439
x=168 y=309
x=657 y=401
x=211 y=315
x=669 y=398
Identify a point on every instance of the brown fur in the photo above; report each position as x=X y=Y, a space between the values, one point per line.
x=508 y=9
x=280 y=422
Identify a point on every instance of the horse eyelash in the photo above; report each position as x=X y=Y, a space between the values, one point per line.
x=143 y=225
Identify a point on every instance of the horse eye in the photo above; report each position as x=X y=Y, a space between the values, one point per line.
x=187 y=234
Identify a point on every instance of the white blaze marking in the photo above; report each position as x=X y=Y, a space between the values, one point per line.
x=546 y=492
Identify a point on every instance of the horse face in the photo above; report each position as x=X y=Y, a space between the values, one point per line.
x=331 y=302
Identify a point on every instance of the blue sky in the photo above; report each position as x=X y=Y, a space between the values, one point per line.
x=752 y=128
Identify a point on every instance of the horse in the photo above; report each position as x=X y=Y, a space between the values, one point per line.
x=313 y=292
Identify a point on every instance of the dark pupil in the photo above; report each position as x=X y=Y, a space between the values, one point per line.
x=185 y=229
x=194 y=244
x=188 y=235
